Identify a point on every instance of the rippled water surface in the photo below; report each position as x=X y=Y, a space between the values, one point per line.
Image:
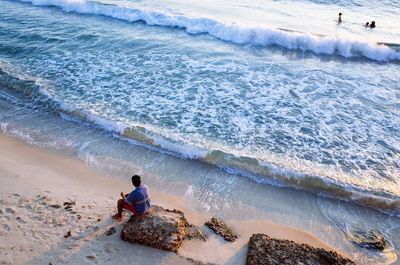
x=244 y=87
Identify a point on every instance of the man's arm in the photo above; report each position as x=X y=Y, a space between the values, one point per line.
x=131 y=198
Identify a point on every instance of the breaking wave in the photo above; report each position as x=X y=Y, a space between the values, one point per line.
x=232 y=32
x=21 y=89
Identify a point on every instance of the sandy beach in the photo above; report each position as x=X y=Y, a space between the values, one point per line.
x=36 y=182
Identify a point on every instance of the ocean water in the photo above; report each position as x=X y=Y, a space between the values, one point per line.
x=217 y=100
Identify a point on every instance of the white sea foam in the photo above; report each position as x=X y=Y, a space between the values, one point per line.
x=3 y=127
x=236 y=159
x=232 y=32
x=234 y=162
x=104 y=123
x=185 y=150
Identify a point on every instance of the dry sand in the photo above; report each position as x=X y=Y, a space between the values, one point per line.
x=35 y=182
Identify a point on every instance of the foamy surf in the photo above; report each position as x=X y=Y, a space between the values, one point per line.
x=233 y=32
x=243 y=132
x=269 y=171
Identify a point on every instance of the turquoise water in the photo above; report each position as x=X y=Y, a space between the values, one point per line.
x=216 y=97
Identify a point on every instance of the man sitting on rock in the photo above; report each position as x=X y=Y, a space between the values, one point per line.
x=137 y=202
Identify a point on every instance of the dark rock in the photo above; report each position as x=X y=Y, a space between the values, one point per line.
x=158 y=228
x=369 y=239
x=68 y=234
x=56 y=206
x=68 y=205
x=111 y=231
x=265 y=250
x=222 y=229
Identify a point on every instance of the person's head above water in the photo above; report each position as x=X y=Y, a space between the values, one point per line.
x=340 y=14
x=136 y=180
x=372 y=24
x=367 y=24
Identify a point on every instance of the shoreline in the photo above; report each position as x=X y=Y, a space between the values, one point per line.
x=27 y=171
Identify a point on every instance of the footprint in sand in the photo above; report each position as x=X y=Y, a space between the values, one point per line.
x=6 y=227
x=5 y=217
x=20 y=220
x=10 y=210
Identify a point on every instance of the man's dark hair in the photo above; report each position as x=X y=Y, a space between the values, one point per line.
x=136 y=180
x=372 y=25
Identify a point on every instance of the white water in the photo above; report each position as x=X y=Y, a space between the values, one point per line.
x=267 y=106
x=346 y=44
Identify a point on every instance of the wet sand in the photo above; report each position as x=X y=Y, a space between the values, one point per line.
x=36 y=182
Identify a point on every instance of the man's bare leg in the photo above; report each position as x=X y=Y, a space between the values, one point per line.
x=118 y=215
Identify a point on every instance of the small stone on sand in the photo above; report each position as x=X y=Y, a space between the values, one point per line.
x=111 y=231
x=68 y=234
x=91 y=257
x=222 y=229
x=20 y=220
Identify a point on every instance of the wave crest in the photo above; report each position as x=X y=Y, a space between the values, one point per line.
x=236 y=33
x=26 y=90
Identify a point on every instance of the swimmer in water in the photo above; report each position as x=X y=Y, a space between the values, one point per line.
x=340 y=18
x=372 y=25
x=367 y=25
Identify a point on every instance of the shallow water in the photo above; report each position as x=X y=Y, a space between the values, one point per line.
x=211 y=101
x=203 y=187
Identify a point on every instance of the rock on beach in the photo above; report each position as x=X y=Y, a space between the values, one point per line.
x=265 y=250
x=159 y=228
x=369 y=239
x=222 y=229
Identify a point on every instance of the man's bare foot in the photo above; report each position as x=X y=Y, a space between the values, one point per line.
x=117 y=217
